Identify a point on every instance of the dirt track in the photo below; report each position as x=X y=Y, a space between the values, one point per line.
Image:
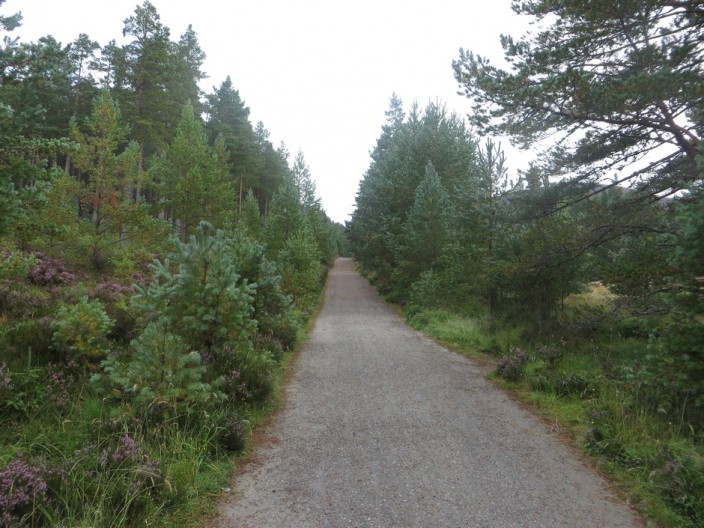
x=383 y=428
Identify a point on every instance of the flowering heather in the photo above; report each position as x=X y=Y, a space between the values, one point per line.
x=140 y=279
x=50 y=271
x=235 y=387
x=5 y=381
x=21 y=486
x=113 y=289
x=60 y=383
x=126 y=450
x=234 y=434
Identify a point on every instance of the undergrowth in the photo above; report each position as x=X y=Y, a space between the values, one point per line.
x=123 y=410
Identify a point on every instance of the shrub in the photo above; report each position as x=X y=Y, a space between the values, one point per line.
x=15 y=265
x=572 y=385
x=552 y=355
x=23 y=489
x=60 y=384
x=233 y=433
x=115 y=297
x=251 y=377
x=22 y=393
x=161 y=375
x=30 y=334
x=513 y=368
x=21 y=300
x=197 y=293
x=50 y=271
x=81 y=329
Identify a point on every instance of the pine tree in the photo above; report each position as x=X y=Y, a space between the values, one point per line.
x=197 y=293
x=229 y=121
x=142 y=74
x=250 y=219
x=284 y=218
x=613 y=83
x=104 y=185
x=188 y=60
x=426 y=230
x=195 y=184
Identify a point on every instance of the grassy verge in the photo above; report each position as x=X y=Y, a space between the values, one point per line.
x=596 y=392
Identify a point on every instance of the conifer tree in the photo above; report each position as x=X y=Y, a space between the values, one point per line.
x=284 y=218
x=229 y=120
x=197 y=293
x=143 y=78
x=426 y=229
x=616 y=84
x=195 y=184
x=250 y=219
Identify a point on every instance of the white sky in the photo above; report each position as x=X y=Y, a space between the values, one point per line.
x=318 y=73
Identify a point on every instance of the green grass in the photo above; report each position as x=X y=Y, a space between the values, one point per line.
x=471 y=336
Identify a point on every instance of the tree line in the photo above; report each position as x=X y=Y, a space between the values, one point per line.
x=159 y=258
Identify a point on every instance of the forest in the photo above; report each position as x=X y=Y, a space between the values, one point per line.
x=582 y=278
x=159 y=261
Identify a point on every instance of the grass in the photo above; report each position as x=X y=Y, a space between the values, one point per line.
x=469 y=336
x=594 y=391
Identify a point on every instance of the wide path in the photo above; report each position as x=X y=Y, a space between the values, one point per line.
x=383 y=428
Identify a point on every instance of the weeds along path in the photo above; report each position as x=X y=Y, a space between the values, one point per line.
x=384 y=428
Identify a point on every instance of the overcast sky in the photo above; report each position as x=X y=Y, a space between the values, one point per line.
x=318 y=73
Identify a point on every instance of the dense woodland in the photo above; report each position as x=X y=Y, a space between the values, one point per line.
x=159 y=257
x=584 y=275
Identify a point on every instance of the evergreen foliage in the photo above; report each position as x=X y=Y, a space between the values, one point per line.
x=160 y=374
x=81 y=330
x=600 y=283
x=195 y=184
x=141 y=246
x=197 y=293
x=612 y=83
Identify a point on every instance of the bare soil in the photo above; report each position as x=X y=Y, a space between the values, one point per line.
x=383 y=427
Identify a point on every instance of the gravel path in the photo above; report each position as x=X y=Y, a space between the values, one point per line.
x=384 y=428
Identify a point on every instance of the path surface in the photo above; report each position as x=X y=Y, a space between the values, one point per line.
x=384 y=428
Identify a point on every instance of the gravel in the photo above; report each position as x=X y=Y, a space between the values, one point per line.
x=382 y=427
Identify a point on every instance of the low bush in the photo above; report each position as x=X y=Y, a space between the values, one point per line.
x=23 y=492
x=573 y=385
x=160 y=375
x=232 y=432
x=512 y=368
x=23 y=393
x=81 y=330
x=251 y=377
x=20 y=300
x=28 y=337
